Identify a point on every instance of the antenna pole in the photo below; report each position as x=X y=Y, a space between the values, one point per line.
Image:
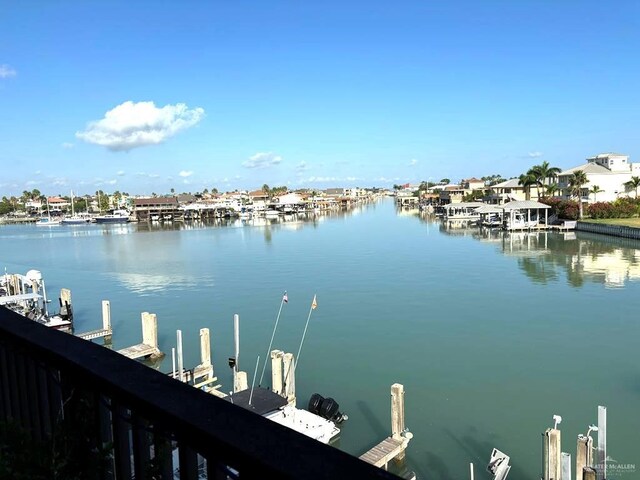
x=273 y=334
x=255 y=372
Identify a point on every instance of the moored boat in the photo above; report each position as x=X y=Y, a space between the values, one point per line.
x=26 y=295
x=118 y=216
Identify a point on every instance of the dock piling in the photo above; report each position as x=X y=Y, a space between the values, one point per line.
x=583 y=455
x=289 y=365
x=552 y=459
x=601 y=461
x=566 y=466
x=276 y=372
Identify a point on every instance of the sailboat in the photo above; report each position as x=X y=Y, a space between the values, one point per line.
x=48 y=221
x=74 y=219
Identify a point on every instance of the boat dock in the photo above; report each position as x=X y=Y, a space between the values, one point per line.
x=105 y=332
x=394 y=446
x=149 y=345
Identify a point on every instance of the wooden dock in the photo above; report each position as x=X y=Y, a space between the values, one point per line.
x=386 y=450
x=104 y=332
x=138 y=351
x=394 y=446
x=149 y=345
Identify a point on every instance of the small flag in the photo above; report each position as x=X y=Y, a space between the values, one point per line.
x=314 y=304
x=285 y=299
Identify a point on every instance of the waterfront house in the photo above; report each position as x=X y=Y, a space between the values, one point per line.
x=472 y=184
x=452 y=194
x=525 y=214
x=609 y=171
x=509 y=190
x=58 y=204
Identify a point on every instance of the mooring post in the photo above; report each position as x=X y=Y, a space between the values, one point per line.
x=289 y=378
x=471 y=475
x=150 y=332
x=106 y=315
x=589 y=473
x=205 y=347
x=276 y=372
x=106 y=320
x=397 y=414
x=552 y=460
x=566 y=466
x=180 y=358
x=583 y=455
x=601 y=461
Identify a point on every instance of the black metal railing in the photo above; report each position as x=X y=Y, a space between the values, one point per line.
x=89 y=412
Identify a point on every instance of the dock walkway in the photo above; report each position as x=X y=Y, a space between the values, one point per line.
x=386 y=450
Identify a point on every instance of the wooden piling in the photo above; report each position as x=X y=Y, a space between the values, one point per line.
x=150 y=329
x=289 y=378
x=588 y=473
x=106 y=321
x=552 y=458
x=583 y=455
x=205 y=347
x=397 y=414
x=276 y=372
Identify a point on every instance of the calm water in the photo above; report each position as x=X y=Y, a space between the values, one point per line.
x=491 y=334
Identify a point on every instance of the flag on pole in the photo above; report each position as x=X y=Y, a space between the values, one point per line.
x=314 y=304
x=285 y=298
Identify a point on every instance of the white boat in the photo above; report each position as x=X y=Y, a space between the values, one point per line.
x=276 y=408
x=118 y=216
x=519 y=221
x=75 y=219
x=27 y=296
x=271 y=213
x=48 y=221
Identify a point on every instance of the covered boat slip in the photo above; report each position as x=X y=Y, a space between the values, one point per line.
x=525 y=214
x=515 y=215
x=462 y=211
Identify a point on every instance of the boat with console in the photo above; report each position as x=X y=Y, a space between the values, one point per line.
x=27 y=295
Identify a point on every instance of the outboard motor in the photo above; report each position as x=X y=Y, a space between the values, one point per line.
x=326 y=408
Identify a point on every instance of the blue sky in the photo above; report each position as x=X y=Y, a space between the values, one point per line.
x=143 y=96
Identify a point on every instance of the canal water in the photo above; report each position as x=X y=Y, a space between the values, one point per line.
x=490 y=333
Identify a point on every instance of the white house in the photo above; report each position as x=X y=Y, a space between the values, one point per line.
x=609 y=171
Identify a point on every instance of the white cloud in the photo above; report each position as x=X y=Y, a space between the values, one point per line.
x=535 y=154
x=131 y=125
x=413 y=162
x=31 y=183
x=67 y=145
x=6 y=71
x=120 y=173
x=262 y=160
x=111 y=182
x=302 y=167
x=37 y=172
x=185 y=173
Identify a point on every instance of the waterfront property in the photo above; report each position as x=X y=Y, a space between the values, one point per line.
x=609 y=171
x=114 y=417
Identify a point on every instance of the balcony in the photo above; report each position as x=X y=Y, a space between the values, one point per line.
x=92 y=413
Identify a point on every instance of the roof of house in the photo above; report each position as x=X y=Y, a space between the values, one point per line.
x=155 y=201
x=524 y=205
x=511 y=183
x=590 y=167
x=473 y=179
x=258 y=193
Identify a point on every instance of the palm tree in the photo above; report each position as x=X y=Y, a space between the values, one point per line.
x=595 y=190
x=527 y=180
x=633 y=183
x=576 y=182
x=547 y=172
x=537 y=178
x=552 y=189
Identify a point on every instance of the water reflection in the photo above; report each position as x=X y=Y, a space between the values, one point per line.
x=545 y=256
